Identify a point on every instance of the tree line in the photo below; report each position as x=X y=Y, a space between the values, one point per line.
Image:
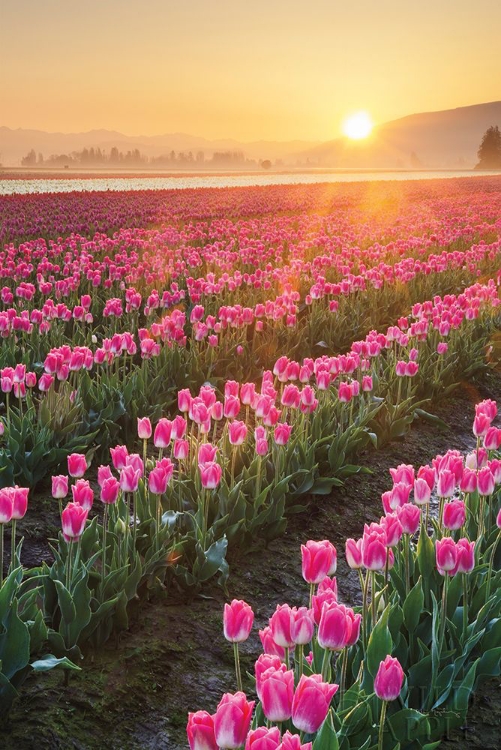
x=97 y=157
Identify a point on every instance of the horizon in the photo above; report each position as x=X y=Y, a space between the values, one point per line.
x=159 y=72
x=231 y=137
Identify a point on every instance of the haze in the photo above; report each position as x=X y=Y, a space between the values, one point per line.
x=270 y=69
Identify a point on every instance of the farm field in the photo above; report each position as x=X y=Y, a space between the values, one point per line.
x=209 y=398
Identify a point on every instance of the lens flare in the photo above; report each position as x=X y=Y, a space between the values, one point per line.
x=357 y=126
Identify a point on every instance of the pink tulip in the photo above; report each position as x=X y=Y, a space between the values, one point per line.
x=237 y=432
x=19 y=502
x=446 y=555
x=389 y=679
x=277 y=694
x=162 y=435
x=492 y=439
x=498 y=519
x=232 y=720
x=374 y=551
x=238 y=618
x=428 y=474
x=184 y=400
x=207 y=453
x=129 y=479
x=334 y=630
x=210 y=474
x=468 y=481
x=157 y=481
x=293 y=742
x=83 y=494
x=109 y=490
x=119 y=457
x=485 y=482
x=454 y=515
x=181 y=450
x=103 y=472
x=311 y=703
x=319 y=559
x=77 y=465
x=353 y=552
x=200 y=731
x=231 y=407
x=481 y=424
x=143 y=428
x=393 y=527
x=403 y=473
x=268 y=642
x=409 y=517
x=6 y=506
x=282 y=433
x=302 y=626
x=262 y=665
x=59 y=486
x=280 y=624
x=73 y=520
x=263 y=738
x=465 y=556
x=178 y=427
x=446 y=483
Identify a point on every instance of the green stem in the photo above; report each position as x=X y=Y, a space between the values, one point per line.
x=237 y=667
x=1 y=553
x=342 y=681
x=365 y=591
x=465 y=603
x=407 y=565
x=373 y=597
x=103 y=557
x=491 y=567
x=325 y=665
x=13 y=561
x=381 y=726
x=444 y=612
x=312 y=593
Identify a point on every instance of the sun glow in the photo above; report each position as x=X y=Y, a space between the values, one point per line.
x=357 y=126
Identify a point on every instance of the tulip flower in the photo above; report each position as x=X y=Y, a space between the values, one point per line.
x=446 y=555
x=319 y=559
x=59 y=486
x=83 y=494
x=465 y=556
x=387 y=686
x=262 y=665
x=353 y=552
x=200 y=731
x=73 y=520
x=181 y=450
x=282 y=433
x=409 y=517
x=293 y=742
x=263 y=738
x=119 y=457
x=144 y=429
x=210 y=474
x=334 y=630
x=268 y=642
x=232 y=720
x=302 y=626
x=238 y=619
x=237 y=432
x=163 y=432
x=280 y=624
x=277 y=694
x=454 y=515
x=77 y=465
x=110 y=489
x=311 y=703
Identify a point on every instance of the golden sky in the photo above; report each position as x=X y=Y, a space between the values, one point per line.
x=247 y=69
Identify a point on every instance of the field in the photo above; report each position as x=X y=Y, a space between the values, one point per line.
x=197 y=383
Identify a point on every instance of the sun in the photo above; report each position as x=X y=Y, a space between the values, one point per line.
x=357 y=126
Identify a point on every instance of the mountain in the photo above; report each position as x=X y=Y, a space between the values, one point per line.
x=449 y=138
x=14 y=144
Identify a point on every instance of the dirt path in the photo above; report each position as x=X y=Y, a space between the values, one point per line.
x=175 y=658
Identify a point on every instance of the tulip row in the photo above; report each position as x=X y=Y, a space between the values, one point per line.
x=407 y=564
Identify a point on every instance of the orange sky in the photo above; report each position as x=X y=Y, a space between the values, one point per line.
x=248 y=69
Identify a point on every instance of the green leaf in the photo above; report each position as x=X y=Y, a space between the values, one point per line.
x=413 y=606
x=326 y=738
x=66 y=605
x=50 y=662
x=380 y=643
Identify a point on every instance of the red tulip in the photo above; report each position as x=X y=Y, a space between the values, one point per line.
x=311 y=703
x=238 y=618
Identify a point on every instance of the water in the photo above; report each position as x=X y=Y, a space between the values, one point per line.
x=69 y=184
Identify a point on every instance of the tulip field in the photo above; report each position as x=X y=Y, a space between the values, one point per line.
x=197 y=384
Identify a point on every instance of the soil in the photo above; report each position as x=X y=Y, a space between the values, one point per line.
x=137 y=693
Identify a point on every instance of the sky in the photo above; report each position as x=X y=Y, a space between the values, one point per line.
x=245 y=69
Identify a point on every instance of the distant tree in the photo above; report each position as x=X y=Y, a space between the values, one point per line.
x=40 y=159
x=30 y=159
x=266 y=164
x=489 y=152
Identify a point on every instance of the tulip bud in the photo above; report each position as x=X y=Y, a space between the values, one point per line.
x=311 y=703
x=389 y=679
x=238 y=619
x=232 y=720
